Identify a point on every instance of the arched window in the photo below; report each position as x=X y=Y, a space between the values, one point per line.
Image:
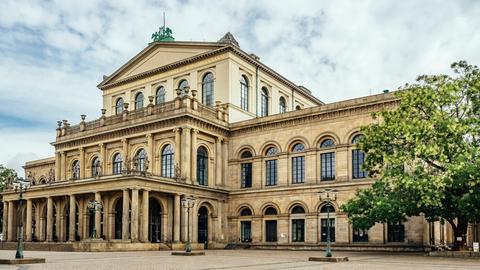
x=327 y=160
x=117 y=164
x=271 y=151
x=182 y=85
x=246 y=167
x=327 y=208
x=298 y=164
x=298 y=209
x=264 y=104
x=244 y=93
x=202 y=166
x=141 y=160
x=167 y=161
x=298 y=147
x=246 y=154
x=207 y=90
x=271 y=167
x=139 y=101
x=160 y=95
x=76 y=170
x=119 y=106
x=358 y=158
x=96 y=167
x=245 y=212
x=282 y=105
x=41 y=181
x=271 y=211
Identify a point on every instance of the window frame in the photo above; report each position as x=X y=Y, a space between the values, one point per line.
x=244 y=93
x=202 y=175
x=160 y=98
x=282 y=105
x=139 y=102
x=167 y=159
x=208 y=99
x=117 y=164
x=119 y=108
x=264 y=102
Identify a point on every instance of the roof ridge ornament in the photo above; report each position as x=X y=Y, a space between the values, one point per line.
x=228 y=38
x=164 y=33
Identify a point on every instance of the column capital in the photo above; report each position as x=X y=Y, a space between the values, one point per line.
x=194 y=130
x=175 y=130
x=186 y=129
x=101 y=145
x=81 y=148
x=149 y=135
x=124 y=140
x=220 y=139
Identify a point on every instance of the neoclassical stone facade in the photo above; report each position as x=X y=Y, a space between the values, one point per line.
x=208 y=120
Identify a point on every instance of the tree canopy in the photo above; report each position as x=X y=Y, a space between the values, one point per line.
x=6 y=175
x=425 y=153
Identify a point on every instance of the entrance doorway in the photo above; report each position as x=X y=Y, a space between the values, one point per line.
x=154 y=221
x=246 y=231
x=118 y=219
x=271 y=230
x=203 y=226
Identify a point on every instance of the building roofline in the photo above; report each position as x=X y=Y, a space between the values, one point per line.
x=222 y=48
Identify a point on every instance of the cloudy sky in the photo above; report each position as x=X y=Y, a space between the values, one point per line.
x=54 y=53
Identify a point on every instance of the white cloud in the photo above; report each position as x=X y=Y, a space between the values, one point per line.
x=53 y=53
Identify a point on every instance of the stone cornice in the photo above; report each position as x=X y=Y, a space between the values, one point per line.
x=320 y=113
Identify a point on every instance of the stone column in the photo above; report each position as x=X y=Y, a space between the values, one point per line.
x=186 y=153
x=5 y=218
x=82 y=162
x=194 y=223
x=145 y=213
x=63 y=170
x=225 y=162
x=194 y=156
x=183 y=220
x=150 y=153
x=58 y=165
x=103 y=159
x=125 y=215
x=218 y=162
x=98 y=215
x=106 y=219
x=176 y=155
x=81 y=218
x=176 y=218
x=28 y=223
x=71 y=232
x=134 y=216
x=10 y=222
x=50 y=219
x=125 y=148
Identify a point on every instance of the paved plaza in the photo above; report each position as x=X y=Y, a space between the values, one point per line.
x=235 y=259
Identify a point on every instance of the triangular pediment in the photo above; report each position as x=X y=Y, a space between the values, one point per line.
x=157 y=55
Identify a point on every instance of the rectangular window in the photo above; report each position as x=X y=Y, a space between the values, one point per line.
x=358 y=157
x=328 y=166
x=360 y=235
x=271 y=172
x=298 y=169
x=298 y=230
x=324 y=229
x=271 y=230
x=396 y=232
x=246 y=175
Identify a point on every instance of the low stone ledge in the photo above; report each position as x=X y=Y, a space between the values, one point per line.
x=328 y=259
x=22 y=261
x=455 y=254
x=184 y=253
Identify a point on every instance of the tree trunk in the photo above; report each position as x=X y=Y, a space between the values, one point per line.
x=460 y=233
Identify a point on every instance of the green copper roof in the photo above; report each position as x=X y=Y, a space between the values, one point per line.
x=163 y=34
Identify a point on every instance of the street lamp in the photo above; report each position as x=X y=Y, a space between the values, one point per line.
x=94 y=206
x=187 y=203
x=20 y=186
x=328 y=195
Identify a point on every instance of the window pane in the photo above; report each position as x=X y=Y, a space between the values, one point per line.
x=207 y=90
x=298 y=169
x=271 y=172
x=246 y=175
x=328 y=166
x=358 y=157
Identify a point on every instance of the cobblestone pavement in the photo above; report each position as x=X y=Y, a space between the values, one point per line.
x=235 y=259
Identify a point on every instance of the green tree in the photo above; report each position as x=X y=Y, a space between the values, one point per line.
x=425 y=154
x=6 y=176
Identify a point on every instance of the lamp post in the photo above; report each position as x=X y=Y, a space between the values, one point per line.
x=187 y=203
x=94 y=206
x=20 y=186
x=328 y=195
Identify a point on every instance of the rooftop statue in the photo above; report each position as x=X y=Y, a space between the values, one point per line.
x=163 y=34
